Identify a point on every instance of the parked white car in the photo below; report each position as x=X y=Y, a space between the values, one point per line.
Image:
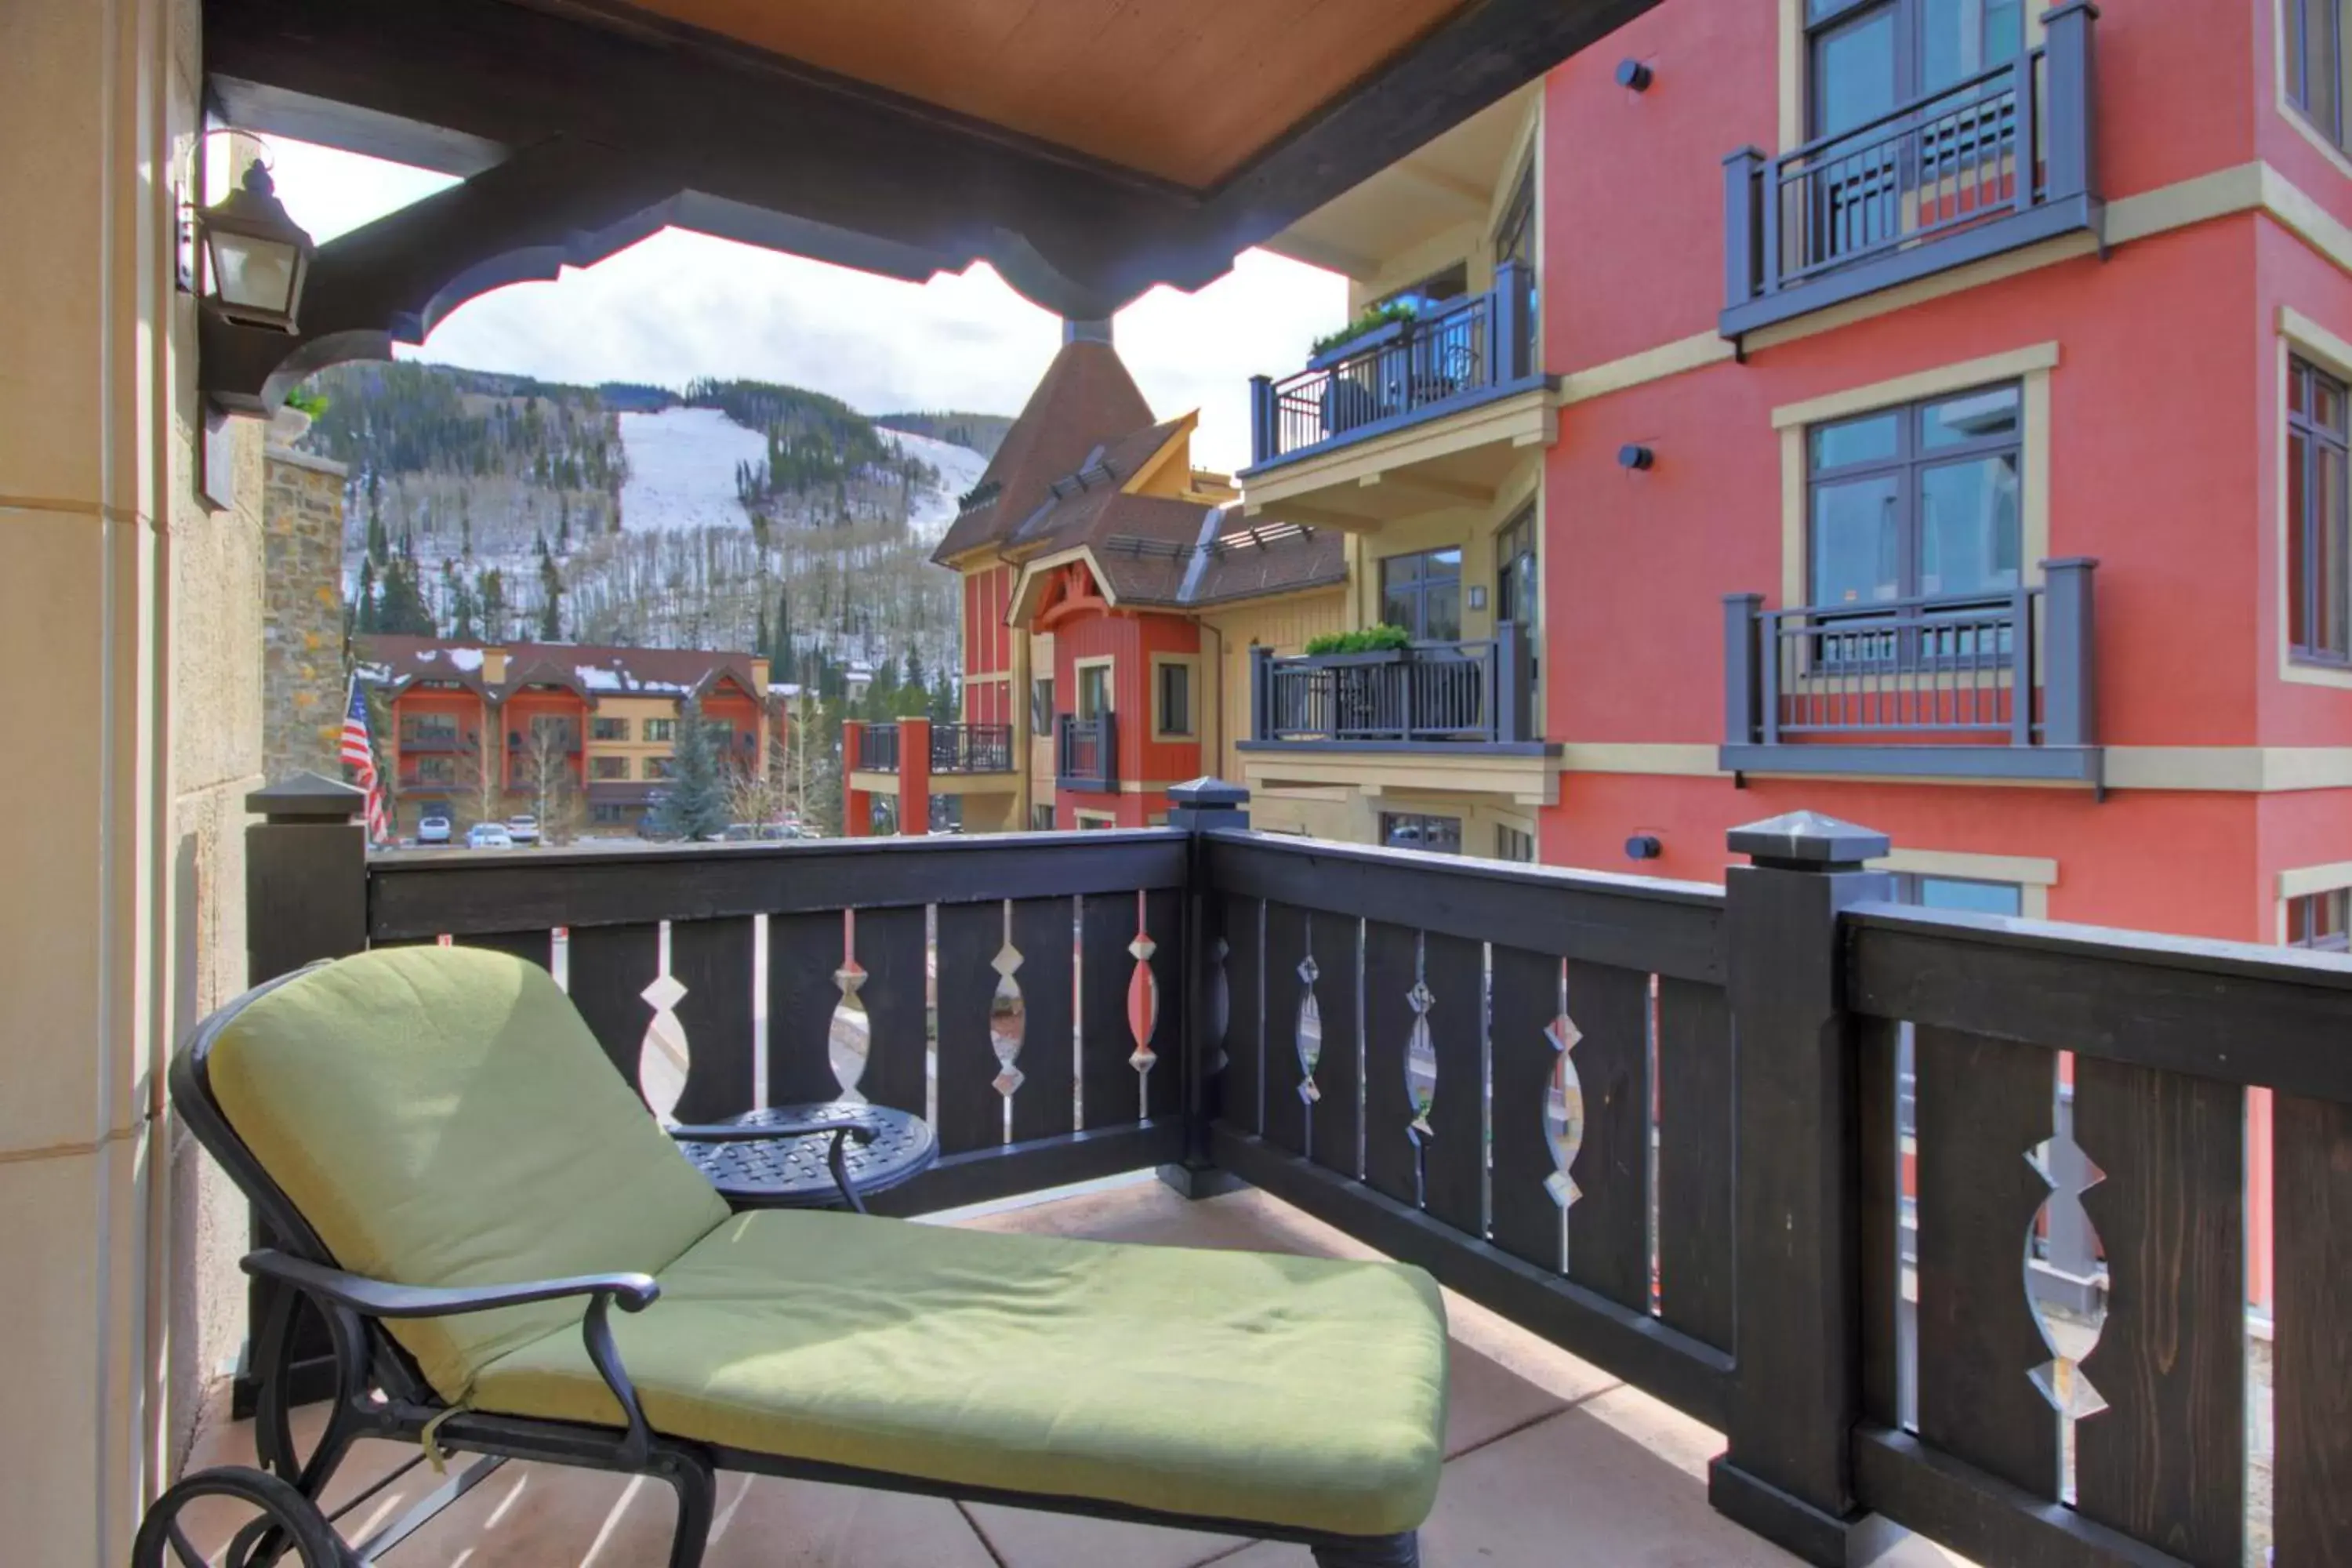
x=488 y=836
x=524 y=828
x=433 y=830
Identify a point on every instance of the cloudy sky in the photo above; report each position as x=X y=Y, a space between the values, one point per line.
x=682 y=305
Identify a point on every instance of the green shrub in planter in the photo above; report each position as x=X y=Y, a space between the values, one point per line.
x=1377 y=317
x=1371 y=639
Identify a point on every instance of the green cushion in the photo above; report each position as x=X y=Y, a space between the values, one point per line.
x=1247 y=1386
x=442 y=1116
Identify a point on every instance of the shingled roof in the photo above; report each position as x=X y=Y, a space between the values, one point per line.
x=1085 y=401
x=400 y=660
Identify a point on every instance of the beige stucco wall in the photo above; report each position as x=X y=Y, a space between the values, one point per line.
x=129 y=669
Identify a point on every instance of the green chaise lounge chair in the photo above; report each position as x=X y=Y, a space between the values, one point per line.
x=466 y=1188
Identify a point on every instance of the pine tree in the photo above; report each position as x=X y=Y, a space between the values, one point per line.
x=564 y=524
x=780 y=651
x=494 y=605
x=379 y=544
x=550 y=595
x=696 y=805
x=363 y=613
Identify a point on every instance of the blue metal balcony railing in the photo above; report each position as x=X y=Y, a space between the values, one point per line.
x=1477 y=347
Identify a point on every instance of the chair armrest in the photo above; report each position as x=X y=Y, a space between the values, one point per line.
x=376 y=1299
x=728 y=1133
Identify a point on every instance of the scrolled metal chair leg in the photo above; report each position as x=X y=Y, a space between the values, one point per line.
x=289 y=1521
x=696 y=1487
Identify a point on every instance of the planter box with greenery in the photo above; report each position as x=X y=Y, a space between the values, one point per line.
x=1372 y=645
x=1380 y=325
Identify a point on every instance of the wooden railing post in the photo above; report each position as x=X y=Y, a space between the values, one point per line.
x=1788 y=1473
x=1513 y=684
x=305 y=875
x=2069 y=661
x=305 y=899
x=1739 y=611
x=1508 y=348
x=1263 y=718
x=2069 y=117
x=1743 y=240
x=1203 y=806
x=1263 y=444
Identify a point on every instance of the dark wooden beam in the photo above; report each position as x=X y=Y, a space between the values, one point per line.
x=700 y=131
x=718 y=121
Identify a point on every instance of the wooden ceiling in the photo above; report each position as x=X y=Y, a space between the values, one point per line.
x=1189 y=90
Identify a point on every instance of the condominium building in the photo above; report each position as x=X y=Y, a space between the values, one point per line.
x=479 y=731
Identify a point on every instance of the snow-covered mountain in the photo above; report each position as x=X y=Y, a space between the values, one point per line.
x=682 y=468
x=960 y=468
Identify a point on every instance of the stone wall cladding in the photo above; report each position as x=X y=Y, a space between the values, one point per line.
x=302 y=611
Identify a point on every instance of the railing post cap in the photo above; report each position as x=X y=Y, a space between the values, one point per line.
x=1204 y=792
x=1809 y=841
x=2084 y=6
x=1751 y=152
x=308 y=797
x=1743 y=598
x=2069 y=562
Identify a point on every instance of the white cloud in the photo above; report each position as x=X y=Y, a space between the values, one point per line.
x=682 y=305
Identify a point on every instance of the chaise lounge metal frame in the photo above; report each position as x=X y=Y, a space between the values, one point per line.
x=380 y=1393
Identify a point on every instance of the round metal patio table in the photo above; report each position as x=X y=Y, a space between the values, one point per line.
x=850 y=1150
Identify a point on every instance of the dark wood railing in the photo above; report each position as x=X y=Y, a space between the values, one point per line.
x=1086 y=752
x=1476 y=692
x=1403 y=372
x=2000 y=685
x=972 y=748
x=1663 y=1125
x=1999 y=161
x=878 y=748
x=954 y=748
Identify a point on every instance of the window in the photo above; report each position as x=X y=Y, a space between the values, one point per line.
x=1965 y=894
x=1041 y=706
x=429 y=729
x=609 y=814
x=2318 y=552
x=1440 y=288
x=608 y=767
x=721 y=733
x=2321 y=921
x=1515 y=597
x=1094 y=691
x=1411 y=830
x=608 y=728
x=1422 y=593
x=1916 y=502
x=660 y=767
x=1515 y=241
x=437 y=770
x=1510 y=844
x=1041 y=817
x=1173 y=697
x=554 y=730
x=2315 y=45
x=1088 y=821
x=661 y=729
x=1866 y=58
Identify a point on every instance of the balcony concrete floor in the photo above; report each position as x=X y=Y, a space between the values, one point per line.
x=1550 y=1462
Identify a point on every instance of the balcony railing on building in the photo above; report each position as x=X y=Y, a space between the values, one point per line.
x=1086 y=752
x=1475 y=692
x=1660 y=1124
x=954 y=748
x=2001 y=160
x=1459 y=354
x=1998 y=686
x=417 y=738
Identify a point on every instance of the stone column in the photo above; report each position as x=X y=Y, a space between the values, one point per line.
x=302 y=681
x=130 y=676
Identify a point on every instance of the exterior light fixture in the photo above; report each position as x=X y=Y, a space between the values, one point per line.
x=1644 y=847
x=1634 y=75
x=1637 y=458
x=258 y=257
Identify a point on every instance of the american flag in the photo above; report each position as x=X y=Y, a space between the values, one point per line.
x=360 y=757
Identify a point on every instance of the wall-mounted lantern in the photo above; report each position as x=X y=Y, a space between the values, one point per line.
x=258 y=256
x=1633 y=76
x=1644 y=847
x=1636 y=458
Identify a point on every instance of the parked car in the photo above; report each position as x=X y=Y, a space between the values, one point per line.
x=488 y=836
x=433 y=830
x=524 y=828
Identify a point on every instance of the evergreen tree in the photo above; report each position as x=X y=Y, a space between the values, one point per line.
x=363 y=613
x=564 y=524
x=696 y=805
x=780 y=652
x=379 y=544
x=494 y=605
x=550 y=595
